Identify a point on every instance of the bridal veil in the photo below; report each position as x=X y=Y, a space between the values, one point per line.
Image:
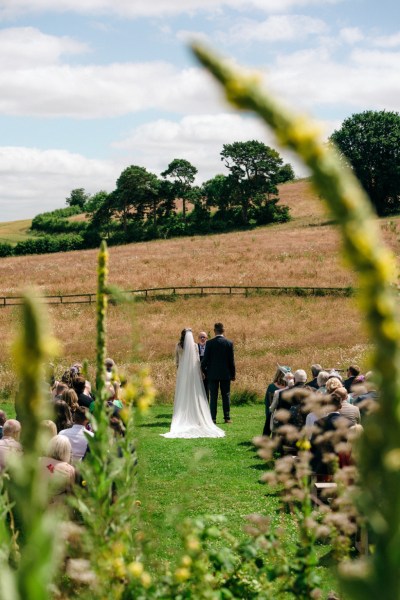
x=191 y=417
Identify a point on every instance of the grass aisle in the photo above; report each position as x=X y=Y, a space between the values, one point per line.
x=201 y=476
x=180 y=478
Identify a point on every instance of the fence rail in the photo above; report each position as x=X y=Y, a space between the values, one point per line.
x=170 y=293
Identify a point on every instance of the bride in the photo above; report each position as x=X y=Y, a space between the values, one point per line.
x=191 y=417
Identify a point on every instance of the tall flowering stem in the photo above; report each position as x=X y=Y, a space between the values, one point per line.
x=375 y=265
x=27 y=490
x=101 y=305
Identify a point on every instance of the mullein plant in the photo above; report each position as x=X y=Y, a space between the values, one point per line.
x=379 y=464
x=111 y=558
x=29 y=548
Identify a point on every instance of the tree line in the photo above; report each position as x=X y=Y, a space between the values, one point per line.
x=144 y=206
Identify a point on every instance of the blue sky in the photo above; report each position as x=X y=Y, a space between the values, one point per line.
x=89 y=87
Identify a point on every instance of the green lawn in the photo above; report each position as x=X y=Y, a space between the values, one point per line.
x=201 y=476
x=195 y=477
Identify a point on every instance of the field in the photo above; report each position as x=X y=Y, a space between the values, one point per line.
x=265 y=329
x=14 y=231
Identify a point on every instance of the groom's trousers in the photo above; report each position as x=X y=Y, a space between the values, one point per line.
x=225 y=386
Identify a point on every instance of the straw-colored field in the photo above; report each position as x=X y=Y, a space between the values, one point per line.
x=12 y=232
x=298 y=331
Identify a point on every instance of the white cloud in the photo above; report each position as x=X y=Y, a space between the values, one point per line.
x=33 y=181
x=25 y=47
x=197 y=138
x=387 y=41
x=309 y=79
x=95 y=91
x=276 y=28
x=154 y=8
x=351 y=35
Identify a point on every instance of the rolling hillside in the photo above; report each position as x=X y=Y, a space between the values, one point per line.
x=12 y=232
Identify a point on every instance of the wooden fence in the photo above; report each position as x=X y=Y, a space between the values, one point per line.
x=170 y=293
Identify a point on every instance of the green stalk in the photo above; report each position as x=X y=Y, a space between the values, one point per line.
x=374 y=263
x=101 y=309
x=27 y=489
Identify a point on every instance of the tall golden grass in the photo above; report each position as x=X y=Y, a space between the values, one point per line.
x=296 y=331
x=302 y=252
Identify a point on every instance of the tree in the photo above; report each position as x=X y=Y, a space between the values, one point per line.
x=182 y=173
x=254 y=174
x=286 y=173
x=78 y=197
x=370 y=141
x=95 y=201
x=136 y=193
x=218 y=192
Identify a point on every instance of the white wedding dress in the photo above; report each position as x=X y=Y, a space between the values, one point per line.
x=191 y=417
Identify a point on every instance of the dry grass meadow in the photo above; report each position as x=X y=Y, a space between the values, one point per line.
x=12 y=232
x=292 y=330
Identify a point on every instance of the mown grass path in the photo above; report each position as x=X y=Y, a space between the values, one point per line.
x=180 y=478
x=192 y=477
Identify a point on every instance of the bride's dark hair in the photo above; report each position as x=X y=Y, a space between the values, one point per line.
x=182 y=338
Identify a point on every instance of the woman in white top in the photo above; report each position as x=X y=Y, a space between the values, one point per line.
x=191 y=417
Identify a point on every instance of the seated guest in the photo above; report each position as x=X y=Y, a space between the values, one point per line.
x=296 y=400
x=329 y=431
x=278 y=401
x=3 y=419
x=49 y=428
x=62 y=415
x=78 y=434
x=109 y=365
x=364 y=395
x=348 y=410
x=79 y=385
x=315 y=369
x=278 y=383
x=347 y=456
x=57 y=468
x=9 y=443
x=113 y=395
x=352 y=373
x=322 y=378
x=71 y=398
x=58 y=389
x=332 y=384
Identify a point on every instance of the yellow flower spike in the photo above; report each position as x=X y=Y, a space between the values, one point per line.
x=236 y=87
x=186 y=561
x=119 y=567
x=363 y=246
x=193 y=544
x=118 y=548
x=392 y=460
x=303 y=445
x=391 y=329
x=145 y=579
x=135 y=569
x=182 y=574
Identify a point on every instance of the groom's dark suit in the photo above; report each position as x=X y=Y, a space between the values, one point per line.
x=219 y=363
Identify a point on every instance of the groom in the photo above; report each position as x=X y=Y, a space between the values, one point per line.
x=219 y=364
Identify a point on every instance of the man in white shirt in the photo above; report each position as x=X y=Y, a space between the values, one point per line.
x=78 y=435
